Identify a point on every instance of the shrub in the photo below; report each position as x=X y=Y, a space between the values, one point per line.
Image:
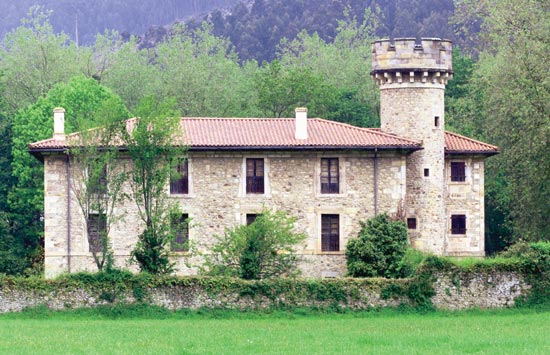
x=378 y=249
x=263 y=249
x=410 y=262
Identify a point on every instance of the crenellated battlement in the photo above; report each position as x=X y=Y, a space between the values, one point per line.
x=406 y=61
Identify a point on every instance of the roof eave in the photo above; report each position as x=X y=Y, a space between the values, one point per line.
x=472 y=152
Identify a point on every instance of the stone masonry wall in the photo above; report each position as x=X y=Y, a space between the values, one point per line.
x=217 y=200
x=454 y=291
x=466 y=198
x=410 y=111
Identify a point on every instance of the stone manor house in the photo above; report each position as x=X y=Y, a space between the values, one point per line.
x=329 y=175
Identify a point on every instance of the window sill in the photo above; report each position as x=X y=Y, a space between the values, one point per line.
x=327 y=195
x=179 y=253
x=181 y=195
x=339 y=252
x=458 y=235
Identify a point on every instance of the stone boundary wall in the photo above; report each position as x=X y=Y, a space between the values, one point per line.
x=453 y=291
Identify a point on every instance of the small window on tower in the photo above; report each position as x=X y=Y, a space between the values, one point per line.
x=426 y=172
x=436 y=121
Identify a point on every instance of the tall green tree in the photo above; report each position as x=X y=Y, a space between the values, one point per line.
x=33 y=58
x=152 y=143
x=512 y=76
x=346 y=92
x=98 y=173
x=82 y=99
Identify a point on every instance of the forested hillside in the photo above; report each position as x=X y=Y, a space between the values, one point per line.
x=256 y=30
x=82 y=19
x=500 y=92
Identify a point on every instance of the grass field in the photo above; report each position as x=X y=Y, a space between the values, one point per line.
x=113 y=331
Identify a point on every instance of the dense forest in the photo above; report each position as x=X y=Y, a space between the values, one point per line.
x=82 y=19
x=264 y=58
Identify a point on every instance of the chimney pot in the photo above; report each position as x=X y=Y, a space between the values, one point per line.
x=59 y=123
x=301 y=123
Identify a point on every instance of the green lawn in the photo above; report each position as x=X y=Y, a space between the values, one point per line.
x=388 y=332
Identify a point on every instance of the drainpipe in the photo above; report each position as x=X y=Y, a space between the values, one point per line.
x=68 y=214
x=375 y=178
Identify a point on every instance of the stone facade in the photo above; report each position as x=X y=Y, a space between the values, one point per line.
x=405 y=168
x=217 y=199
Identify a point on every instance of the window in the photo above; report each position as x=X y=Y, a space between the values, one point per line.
x=330 y=232
x=180 y=228
x=98 y=179
x=179 y=184
x=411 y=223
x=97 y=229
x=254 y=176
x=436 y=121
x=458 y=171
x=458 y=224
x=250 y=218
x=426 y=172
x=329 y=176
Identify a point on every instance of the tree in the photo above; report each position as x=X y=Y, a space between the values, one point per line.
x=265 y=248
x=378 y=249
x=512 y=77
x=98 y=174
x=34 y=59
x=343 y=91
x=153 y=148
x=281 y=90
x=84 y=100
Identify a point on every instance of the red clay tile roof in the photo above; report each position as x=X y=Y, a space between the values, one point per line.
x=278 y=133
x=457 y=144
x=267 y=133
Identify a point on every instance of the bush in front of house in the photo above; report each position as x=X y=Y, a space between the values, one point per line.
x=378 y=249
x=266 y=248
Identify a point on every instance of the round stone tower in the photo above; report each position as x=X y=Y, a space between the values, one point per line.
x=412 y=78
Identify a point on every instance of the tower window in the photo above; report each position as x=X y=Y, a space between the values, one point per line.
x=411 y=223
x=426 y=172
x=436 y=121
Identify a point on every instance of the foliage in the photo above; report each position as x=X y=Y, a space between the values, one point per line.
x=511 y=77
x=378 y=249
x=152 y=149
x=263 y=249
x=411 y=261
x=34 y=59
x=342 y=93
x=535 y=258
x=97 y=175
x=83 y=100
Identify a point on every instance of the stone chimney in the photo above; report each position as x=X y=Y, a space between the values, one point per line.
x=59 y=123
x=301 y=123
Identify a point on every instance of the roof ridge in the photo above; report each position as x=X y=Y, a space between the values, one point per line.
x=369 y=129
